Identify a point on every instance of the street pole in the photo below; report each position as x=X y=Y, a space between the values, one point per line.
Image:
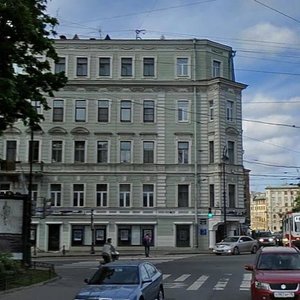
x=92 y=232
x=224 y=159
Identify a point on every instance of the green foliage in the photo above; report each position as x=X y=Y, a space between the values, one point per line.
x=24 y=35
x=296 y=207
x=8 y=264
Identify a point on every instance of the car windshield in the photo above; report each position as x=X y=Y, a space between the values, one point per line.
x=279 y=261
x=264 y=234
x=231 y=239
x=115 y=275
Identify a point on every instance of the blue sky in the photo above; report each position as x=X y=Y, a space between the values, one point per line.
x=266 y=37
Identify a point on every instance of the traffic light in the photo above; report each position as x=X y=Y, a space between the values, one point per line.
x=210 y=214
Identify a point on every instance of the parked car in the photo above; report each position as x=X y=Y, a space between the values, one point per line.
x=275 y=273
x=236 y=245
x=130 y=280
x=265 y=238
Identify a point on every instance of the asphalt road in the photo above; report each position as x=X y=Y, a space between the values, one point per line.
x=205 y=277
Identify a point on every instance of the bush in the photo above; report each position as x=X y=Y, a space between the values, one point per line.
x=8 y=264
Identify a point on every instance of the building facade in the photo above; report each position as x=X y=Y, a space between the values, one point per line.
x=144 y=138
x=258 y=212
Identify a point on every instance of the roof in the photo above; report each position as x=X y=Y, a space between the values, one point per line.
x=132 y=263
x=279 y=249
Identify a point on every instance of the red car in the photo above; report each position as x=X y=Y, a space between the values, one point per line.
x=275 y=274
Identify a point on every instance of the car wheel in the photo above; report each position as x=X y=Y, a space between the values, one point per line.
x=160 y=295
x=236 y=251
x=254 y=250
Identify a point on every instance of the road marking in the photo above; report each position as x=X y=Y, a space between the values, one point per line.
x=198 y=283
x=246 y=283
x=165 y=276
x=221 y=284
x=183 y=277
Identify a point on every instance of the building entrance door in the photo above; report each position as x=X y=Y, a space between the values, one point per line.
x=53 y=237
x=183 y=236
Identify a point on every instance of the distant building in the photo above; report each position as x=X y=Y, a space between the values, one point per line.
x=145 y=137
x=258 y=211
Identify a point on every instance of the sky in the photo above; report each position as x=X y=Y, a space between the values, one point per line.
x=266 y=37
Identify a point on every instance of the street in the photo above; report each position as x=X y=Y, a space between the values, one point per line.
x=212 y=277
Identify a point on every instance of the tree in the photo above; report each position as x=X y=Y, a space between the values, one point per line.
x=296 y=207
x=25 y=36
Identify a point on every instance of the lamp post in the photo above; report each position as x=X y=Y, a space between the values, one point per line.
x=92 y=232
x=224 y=159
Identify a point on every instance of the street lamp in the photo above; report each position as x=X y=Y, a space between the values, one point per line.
x=224 y=159
x=92 y=232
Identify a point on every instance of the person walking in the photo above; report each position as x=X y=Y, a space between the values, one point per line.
x=146 y=243
x=107 y=251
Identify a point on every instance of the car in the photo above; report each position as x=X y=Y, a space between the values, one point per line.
x=265 y=238
x=275 y=273
x=130 y=280
x=236 y=245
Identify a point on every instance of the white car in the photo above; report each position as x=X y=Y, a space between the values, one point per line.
x=235 y=245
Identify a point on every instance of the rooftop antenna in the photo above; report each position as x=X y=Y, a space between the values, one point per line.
x=138 y=32
x=100 y=32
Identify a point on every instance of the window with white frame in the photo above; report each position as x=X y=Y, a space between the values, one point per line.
x=101 y=195
x=126 y=66
x=216 y=71
x=79 y=151
x=82 y=66
x=57 y=150
x=58 y=110
x=183 y=152
x=125 y=111
x=148 y=152
x=211 y=152
x=11 y=150
x=182 y=108
x=148 y=195
x=182 y=66
x=80 y=111
x=211 y=110
x=231 y=152
x=55 y=194
x=148 y=64
x=34 y=151
x=102 y=151
x=183 y=195
x=78 y=195
x=104 y=66
x=124 y=195
x=103 y=111
x=148 y=115
x=125 y=151
x=231 y=195
x=37 y=106
x=34 y=193
x=229 y=110
x=60 y=65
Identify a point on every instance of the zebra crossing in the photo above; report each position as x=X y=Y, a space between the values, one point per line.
x=187 y=282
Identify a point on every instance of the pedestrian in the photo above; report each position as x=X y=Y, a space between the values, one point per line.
x=146 y=243
x=107 y=251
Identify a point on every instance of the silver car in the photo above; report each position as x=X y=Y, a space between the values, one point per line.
x=235 y=245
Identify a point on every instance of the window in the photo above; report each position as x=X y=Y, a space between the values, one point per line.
x=148 y=111
x=79 y=151
x=183 y=152
x=103 y=110
x=101 y=195
x=11 y=150
x=183 y=195
x=126 y=66
x=230 y=146
x=148 y=152
x=82 y=66
x=148 y=66
x=78 y=194
x=4 y=187
x=124 y=198
x=80 y=111
x=148 y=195
x=211 y=110
x=102 y=152
x=57 y=151
x=182 y=106
x=216 y=72
x=229 y=111
x=211 y=152
x=125 y=151
x=231 y=195
x=77 y=235
x=104 y=66
x=34 y=147
x=55 y=194
x=58 y=111
x=37 y=106
x=212 y=195
x=60 y=65
x=182 y=66
x=125 y=114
